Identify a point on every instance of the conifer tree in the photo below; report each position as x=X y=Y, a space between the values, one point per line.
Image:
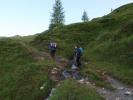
x=85 y=17
x=57 y=15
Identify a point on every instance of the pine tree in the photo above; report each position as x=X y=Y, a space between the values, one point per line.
x=85 y=17
x=57 y=15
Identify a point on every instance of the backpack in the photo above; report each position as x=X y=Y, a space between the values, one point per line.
x=52 y=46
x=79 y=51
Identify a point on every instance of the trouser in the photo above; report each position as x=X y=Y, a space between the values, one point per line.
x=78 y=61
x=52 y=53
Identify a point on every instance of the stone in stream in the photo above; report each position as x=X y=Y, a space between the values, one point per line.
x=66 y=74
x=128 y=93
x=117 y=99
x=71 y=74
x=120 y=88
x=74 y=67
x=76 y=75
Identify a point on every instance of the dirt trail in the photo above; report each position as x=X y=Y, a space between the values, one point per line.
x=121 y=92
x=56 y=72
x=61 y=63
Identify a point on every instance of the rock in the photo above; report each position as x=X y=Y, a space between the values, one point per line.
x=128 y=93
x=81 y=81
x=41 y=88
x=117 y=99
x=55 y=68
x=74 y=67
x=87 y=82
x=66 y=74
x=120 y=88
x=75 y=75
x=54 y=72
x=104 y=92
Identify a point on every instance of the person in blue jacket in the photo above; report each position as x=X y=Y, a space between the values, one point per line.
x=79 y=53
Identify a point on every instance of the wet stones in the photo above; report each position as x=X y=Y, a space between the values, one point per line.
x=128 y=93
x=54 y=75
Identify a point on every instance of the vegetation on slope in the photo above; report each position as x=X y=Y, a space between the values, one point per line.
x=25 y=39
x=106 y=40
x=21 y=76
x=108 y=47
x=71 y=90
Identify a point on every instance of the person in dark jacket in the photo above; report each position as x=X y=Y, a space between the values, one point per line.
x=79 y=53
x=52 y=47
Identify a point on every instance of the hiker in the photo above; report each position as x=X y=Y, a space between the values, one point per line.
x=52 y=47
x=79 y=53
x=74 y=55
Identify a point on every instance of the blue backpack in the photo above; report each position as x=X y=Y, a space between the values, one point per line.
x=79 y=51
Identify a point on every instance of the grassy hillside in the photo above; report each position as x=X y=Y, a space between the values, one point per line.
x=108 y=42
x=21 y=75
x=25 y=39
x=108 y=47
x=71 y=90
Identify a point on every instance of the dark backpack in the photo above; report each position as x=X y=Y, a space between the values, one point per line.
x=52 y=47
x=79 y=52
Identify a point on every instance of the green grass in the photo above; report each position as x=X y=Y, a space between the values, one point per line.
x=107 y=43
x=25 y=39
x=71 y=90
x=121 y=72
x=95 y=76
x=21 y=76
x=106 y=39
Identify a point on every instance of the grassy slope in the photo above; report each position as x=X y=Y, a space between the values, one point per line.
x=112 y=50
x=25 y=39
x=20 y=74
x=108 y=46
x=74 y=91
x=107 y=42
